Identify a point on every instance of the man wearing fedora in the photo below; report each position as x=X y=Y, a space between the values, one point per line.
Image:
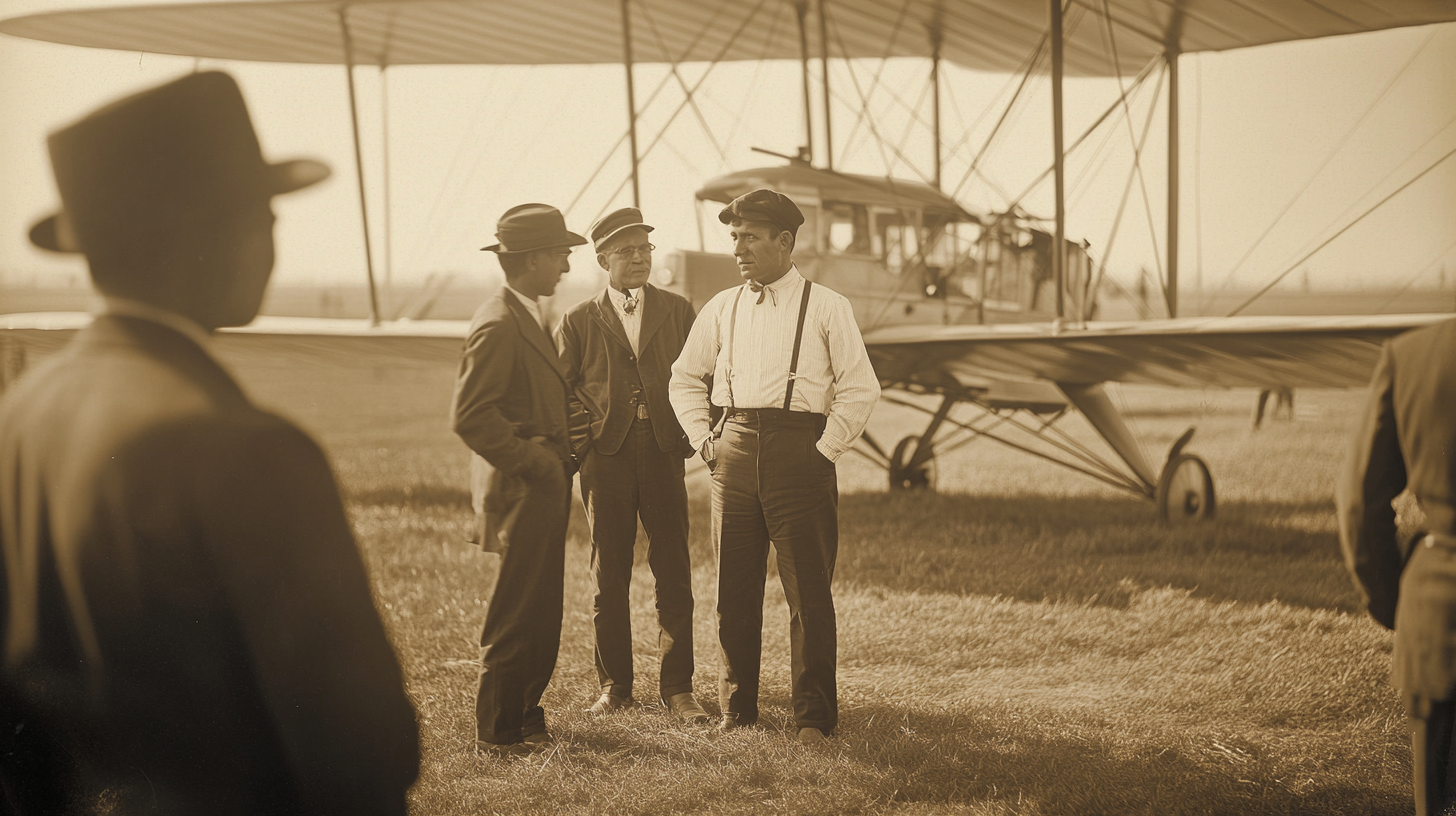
x=791 y=372
x=617 y=349
x=510 y=410
x=187 y=623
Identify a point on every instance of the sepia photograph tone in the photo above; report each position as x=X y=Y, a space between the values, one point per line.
x=944 y=406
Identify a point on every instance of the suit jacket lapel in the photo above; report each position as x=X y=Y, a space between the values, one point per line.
x=606 y=313
x=534 y=334
x=654 y=314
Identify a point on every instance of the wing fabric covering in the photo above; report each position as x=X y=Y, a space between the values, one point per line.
x=988 y=35
x=1252 y=352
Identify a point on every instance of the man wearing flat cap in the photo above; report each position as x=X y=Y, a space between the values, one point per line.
x=617 y=349
x=791 y=372
x=187 y=623
x=510 y=410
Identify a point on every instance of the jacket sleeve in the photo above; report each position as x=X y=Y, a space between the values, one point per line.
x=1374 y=475
x=578 y=420
x=284 y=555
x=484 y=378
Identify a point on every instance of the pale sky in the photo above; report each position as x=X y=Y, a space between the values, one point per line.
x=1331 y=126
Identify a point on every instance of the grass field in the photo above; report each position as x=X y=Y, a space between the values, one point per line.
x=1025 y=642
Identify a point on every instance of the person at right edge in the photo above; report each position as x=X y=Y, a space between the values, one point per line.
x=792 y=374
x=1405 y=440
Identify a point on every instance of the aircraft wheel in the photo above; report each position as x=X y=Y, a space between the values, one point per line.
x=1185 y=491
x=904 y=477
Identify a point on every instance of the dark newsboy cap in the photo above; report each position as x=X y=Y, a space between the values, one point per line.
x=159 y=161
x=764 y=205
x=529 y=227
x=614 y=222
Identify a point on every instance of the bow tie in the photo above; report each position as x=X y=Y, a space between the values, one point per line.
x=755 y=286
x=629 y=304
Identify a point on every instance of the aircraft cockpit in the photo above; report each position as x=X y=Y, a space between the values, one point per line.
x=901 y=251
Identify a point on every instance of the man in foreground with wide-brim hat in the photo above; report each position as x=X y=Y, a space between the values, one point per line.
x=791 y=372
x=187 y=624
x=510 y=410
x=618 y=349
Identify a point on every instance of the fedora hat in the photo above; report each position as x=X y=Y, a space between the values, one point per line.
x=161 y=160
x=614 y=222
x=529 y=227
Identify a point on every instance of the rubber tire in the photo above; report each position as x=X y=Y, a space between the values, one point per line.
x=1185 y=491
x=901 y=478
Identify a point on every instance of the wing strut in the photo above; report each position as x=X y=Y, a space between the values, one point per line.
x=631 y=100
x=801 y=10
x=1171 y=55
x=824 y=65
x=936 y=35
x=359 y=162
x=1097 y=407
x=1059 y=259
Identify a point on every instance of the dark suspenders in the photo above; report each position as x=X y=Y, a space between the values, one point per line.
x=798 y=337
x=793 y=362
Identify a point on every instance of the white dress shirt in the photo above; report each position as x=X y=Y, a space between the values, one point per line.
x=632 y=323
x=531 y=306
x=834 y=377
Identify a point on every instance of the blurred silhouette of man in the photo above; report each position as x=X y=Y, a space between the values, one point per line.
x=510 y=410
x=188 y=625
x=1407 y=439
x=790 y=369
x=618 y=349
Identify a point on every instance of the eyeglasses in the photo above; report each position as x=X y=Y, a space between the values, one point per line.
x=628 y=252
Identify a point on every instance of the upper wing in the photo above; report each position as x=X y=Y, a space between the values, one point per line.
x=994 y=35
x=1219 y=352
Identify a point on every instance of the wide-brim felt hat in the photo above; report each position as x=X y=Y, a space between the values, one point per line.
x=764 y=205
x=167 y=158
x=529 y=227
x=614 y=222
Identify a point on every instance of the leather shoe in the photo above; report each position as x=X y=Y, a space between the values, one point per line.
x=810 y=736
x=539 y=741
x=502 y=751
x=610 y=703
x=685 y=708
x=730 y=722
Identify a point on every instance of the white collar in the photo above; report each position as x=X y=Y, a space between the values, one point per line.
x=619 y=297
x=529 y=302
x=126 y=307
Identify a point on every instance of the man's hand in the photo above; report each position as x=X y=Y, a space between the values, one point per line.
x=709 y=454
x=542 y=461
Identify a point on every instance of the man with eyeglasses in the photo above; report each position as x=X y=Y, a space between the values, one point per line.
x=617 y=350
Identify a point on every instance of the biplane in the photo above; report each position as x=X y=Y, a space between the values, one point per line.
x=987 y=312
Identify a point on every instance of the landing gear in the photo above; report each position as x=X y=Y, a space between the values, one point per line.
x=910 y=469
x=1185 y=490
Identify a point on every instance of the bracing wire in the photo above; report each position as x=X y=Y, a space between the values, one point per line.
x=1377 y=205
x=1326 y=163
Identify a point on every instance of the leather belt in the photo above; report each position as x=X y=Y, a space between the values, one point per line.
x=754 y=414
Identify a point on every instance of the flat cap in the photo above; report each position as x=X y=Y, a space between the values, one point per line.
x=764 y=205
x=529 y=227
x=614 y=222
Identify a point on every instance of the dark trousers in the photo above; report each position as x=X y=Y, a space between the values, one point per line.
x=523 y=621
x=771 y=484
x=1431 y=737
x=639 y=480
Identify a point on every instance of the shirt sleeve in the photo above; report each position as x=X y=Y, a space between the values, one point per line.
x=856 y=387
x=687 y=390
x=1374 y=475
